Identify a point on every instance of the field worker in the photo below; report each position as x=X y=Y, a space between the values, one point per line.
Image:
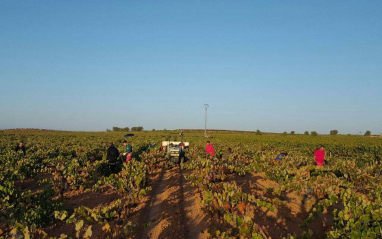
x=210 y=149
x=153 y=145
x=319 y=156
x=281 y=156
x=21 y=146
x=129 y=151
x=112 y=156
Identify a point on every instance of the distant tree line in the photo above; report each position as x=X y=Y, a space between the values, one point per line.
x=332 y=132
x=32 y=129
x=258 y=132
x=126 y=129
x=139 y=128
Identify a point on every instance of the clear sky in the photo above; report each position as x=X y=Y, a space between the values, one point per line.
x=270 y=65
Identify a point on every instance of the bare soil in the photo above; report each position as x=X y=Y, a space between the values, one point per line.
x=287 y=218
x=87 y=198
x=33 y=184
x=174 y=210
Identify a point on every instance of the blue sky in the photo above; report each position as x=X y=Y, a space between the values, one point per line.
x=269 y=65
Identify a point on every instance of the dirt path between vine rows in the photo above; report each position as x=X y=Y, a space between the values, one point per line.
x=174 y=210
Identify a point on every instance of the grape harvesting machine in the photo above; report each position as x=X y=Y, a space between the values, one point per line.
x=175 y=150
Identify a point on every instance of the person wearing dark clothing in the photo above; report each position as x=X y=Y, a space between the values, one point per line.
x=153 y=145
x=21 y=146
x=112 y=157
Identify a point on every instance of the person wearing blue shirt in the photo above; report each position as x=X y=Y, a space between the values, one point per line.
x=281 y=156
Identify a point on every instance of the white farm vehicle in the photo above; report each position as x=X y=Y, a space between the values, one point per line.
x=175 y=150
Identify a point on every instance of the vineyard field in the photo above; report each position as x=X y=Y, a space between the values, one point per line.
x=63 y=187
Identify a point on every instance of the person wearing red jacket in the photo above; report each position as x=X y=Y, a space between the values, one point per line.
x=319 y=156
x=210 y=149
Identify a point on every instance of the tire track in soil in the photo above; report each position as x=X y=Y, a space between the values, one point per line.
x=174 y=210
x=196 y=220
x=165 y=217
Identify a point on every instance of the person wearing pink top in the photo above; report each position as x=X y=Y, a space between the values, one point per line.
x=319 y=156
x=210 y=149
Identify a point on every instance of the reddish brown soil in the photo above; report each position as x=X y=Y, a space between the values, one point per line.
x=197 y=221
x=285 y=219
x=174 y=209
x=32 y=184
x=171 y=209
x=90 y=199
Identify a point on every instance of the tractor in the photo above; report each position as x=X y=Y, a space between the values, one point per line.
x=175 y=151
